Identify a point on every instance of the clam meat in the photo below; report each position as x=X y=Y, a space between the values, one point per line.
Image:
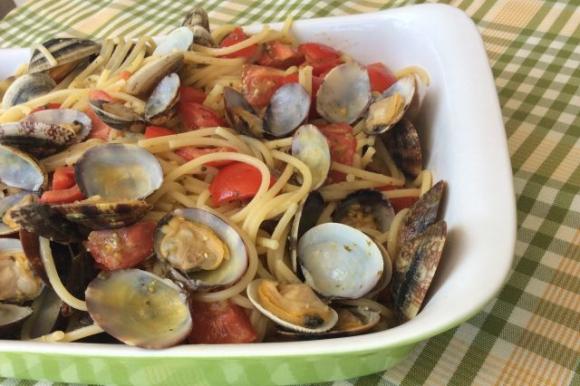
x=18 y=281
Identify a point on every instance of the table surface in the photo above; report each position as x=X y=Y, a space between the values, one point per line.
x=529 y=334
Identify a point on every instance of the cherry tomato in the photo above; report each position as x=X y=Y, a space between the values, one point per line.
x=123 y=247
x=280 y=55
x=191 y=152
x=100 y=95
x=191 y=94
x=342 y=145
x=220 y=322
x=63 y=178
x=321 y=57
x=62 y=196
x=196 y=116
x=49 y=106
x=157 y=131
x=237 y=181
x=380 y=76
x=99 y=128
x=259 y=84
x=236 y=36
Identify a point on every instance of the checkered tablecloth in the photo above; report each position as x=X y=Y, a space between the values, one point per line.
x=530 y=334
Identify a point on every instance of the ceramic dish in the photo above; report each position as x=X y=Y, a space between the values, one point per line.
x=465 y=143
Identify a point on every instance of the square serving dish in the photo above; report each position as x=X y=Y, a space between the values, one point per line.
x=465 y=144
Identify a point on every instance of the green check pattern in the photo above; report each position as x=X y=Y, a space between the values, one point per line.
x=528 y=335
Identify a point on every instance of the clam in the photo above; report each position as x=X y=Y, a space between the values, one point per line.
x=422 y=214
x=288 y=108
x=202 y=246
x=160 y=105
x=365 y=209
x=46 y=132
x=7 y=204
x=305 y=218
x=241 y=115
x=18 y=281
x=415 y=267
x=178 y=40
x=12 y=316
x=148 y=76
x=64 y=51
x=403 y=144
x=339 y=261
x=118 y=116
x=27 y=87
x=293 y=306
x=45 y=221
x=389 y=108
x=196 y=18
x=95 y=215
x=344 y=94
x=19 y=170
x=201 y=36
x=310 y=146
x=118 y=172
x=139 y=308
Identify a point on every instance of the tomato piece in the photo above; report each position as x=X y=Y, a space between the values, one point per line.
x=342 y=145
x=380 y=76
x=123 y=247
x=400 y=203
x=191 y=152
x=280 y=55
x=63 y=178
x=316 y=82
x=191 y=94
x=100 y=95
x=196 y=116
x=237 y=181
x=259 y=84
x=125 y=74
x=99 y=128
x=321 y=57
x=157 y=131
x=49 y=106
x=63 y=196
x=292 y=78
x=236 y=36
x=220 y=322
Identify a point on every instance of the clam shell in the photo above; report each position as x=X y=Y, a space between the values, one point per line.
x=104 y=215
x=310 y=146
x=118 y=116
x=11 y=317
x=241 y=115
x=19 y=281
x=305 y=218
x=404 y=145
x=163 y=99
x=389 y=108
x=64 y=50
x=178 y=40
x=19 y=170
x=27 y=87
x=148 y=76
x=7 y=204
x=372 y=203
x=288 y=108
x=47 y=222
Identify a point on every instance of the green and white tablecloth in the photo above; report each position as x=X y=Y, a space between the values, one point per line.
x=530 y=334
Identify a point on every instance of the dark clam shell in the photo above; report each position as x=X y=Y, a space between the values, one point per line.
x=305 y=218
x=423 y=213
x=47 y=222
x=415 y=267
x=118 y=116
x=403 y=144
x=288 y=108
x=27 y=87
x=11 y=317
x=196 y=17
x=64 y=50
x=241 y=115
x=363 y=205
x=104 y=215
x=147 y=77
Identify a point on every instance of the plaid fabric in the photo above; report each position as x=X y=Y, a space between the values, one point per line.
x=529 y=335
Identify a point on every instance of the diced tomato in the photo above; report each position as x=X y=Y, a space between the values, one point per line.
x=342 y=145
x=237 y=181
x=380 y=76
x=400 y=203
x=125 y=75
x=259 y=84
x=291 y=78
x=99 y=128
x=280 y=55
x=157 y=131
x=63 y=178
x=196 y=116
x=100 y=95
x=191 y=94
x=236 y=36
x=49 y=106
x=220 y=322
x=191 y=152
x=123 y=247
x=321 y=57
x=63 y=196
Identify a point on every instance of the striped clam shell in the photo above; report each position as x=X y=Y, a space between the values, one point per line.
x=64 y=50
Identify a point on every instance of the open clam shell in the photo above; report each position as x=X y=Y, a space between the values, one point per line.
x=7 y=223
x=27 y=87
x=288 y=108
x=339 y=261
x=19 y=282
x=148 y=76
x=241 y=115
x=139 y=308
x=104 y=215
x=365 y=209
x=314 y=317
x=310 y=146
x=178 y=40
x=64 y=51
x=159 y=107
x=196 y=17
x=305 y=218
x=19 y=170
x=203 y=246
x=404 y=145
x=118 y=172
x=118 y=116
x=11 y=317
x=415 y=267
x=344 y=94
x=47 y=222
